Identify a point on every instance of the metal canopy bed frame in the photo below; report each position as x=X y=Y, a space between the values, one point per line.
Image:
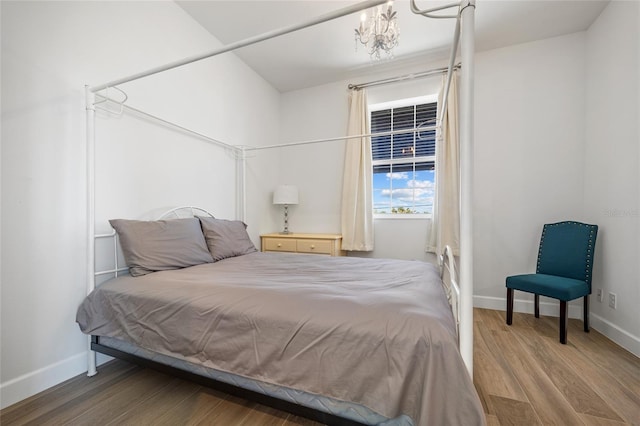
x=463 y=36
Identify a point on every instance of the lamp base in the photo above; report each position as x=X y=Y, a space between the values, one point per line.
x=286 y=220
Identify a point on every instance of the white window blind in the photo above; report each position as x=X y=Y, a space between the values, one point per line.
x=404 y=162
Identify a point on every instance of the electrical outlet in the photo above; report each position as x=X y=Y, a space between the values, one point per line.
x=612 y=300
x=599 y=295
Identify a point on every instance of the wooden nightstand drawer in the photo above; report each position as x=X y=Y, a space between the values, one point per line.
x=314 y=246
x=280 y=244
x=326 y=244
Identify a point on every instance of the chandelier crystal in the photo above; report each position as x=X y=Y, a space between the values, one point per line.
x=379 y=32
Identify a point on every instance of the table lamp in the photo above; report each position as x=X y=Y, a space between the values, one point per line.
x=286 y=195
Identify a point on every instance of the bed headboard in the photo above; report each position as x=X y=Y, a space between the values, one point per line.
x=184 y=211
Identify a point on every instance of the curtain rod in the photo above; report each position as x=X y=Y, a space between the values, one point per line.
x=403 y=77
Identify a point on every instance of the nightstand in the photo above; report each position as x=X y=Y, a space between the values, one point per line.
x=327 y=244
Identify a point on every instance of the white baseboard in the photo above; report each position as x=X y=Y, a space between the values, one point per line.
x=615 y=333
x=611 y=331
x=29 y=384
x=22 y=387
x=526 y=306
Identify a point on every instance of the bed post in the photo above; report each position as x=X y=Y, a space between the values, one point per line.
x=466 y=182
x=241 y=187
x=90 y=153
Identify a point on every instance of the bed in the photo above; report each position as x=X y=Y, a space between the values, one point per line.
x=367 y=341
x=445 y=395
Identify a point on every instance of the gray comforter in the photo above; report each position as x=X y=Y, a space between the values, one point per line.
x=374 y=332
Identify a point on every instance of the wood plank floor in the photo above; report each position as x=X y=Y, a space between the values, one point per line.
x=523 y=375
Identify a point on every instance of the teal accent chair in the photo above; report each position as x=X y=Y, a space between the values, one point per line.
x=565 y=262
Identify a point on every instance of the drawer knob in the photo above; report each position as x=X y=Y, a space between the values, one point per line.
x=279 y=244
x=312 y=246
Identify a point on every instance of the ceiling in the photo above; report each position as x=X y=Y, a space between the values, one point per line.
x=327 y=52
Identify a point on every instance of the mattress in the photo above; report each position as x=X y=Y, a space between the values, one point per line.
x=370 y=332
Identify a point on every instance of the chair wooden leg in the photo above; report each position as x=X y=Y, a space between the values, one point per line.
x=563 y=322
x=536 y=305
x=509 y=306
x=586 y=314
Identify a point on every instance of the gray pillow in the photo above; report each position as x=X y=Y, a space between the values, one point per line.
x=226 y=238
x=160 y=245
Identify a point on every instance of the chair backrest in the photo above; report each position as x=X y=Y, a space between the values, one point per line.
x=567 y=250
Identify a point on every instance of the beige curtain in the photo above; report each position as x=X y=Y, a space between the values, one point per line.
x=445 y=223
x=357 y=192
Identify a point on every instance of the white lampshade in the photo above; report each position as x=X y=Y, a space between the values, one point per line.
x=285 y=194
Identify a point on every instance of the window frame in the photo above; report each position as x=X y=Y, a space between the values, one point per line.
x=400 y=103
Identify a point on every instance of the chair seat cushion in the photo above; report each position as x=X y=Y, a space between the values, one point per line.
x=549 y=285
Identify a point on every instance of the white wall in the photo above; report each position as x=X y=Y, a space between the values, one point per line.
x=49 y=51
x=529 y=156
x=612 y=167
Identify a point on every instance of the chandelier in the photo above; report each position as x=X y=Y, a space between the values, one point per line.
x=379 y=33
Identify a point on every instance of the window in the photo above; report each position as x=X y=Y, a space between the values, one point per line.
x=404 y=162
